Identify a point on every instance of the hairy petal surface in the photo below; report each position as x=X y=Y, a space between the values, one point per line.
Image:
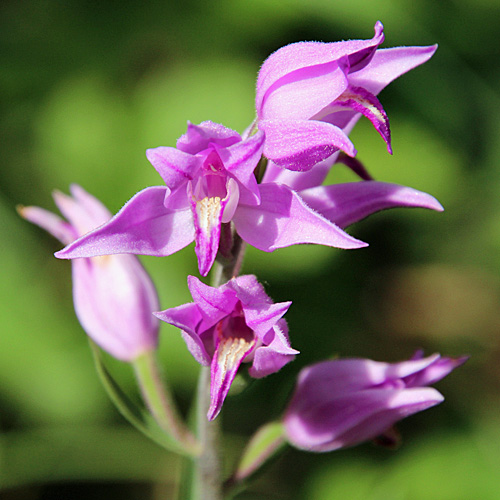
x=345 y=204
x=143 y=226
x=283 y=219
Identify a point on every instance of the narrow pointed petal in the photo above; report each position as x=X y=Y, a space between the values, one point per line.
x=199 y=137
x=344 y=204
x=96 y=211
x=143 y=226
x=272 y=357
x=188 y=319
x=174 y=166
x=389 y=64
x=240 y=160
x=362 y=101
x=214 y=303
x=300 y=144
x=435 y=371
x=300 y=55
x=207 y=216
x=49 y=221
x=84 y=212
x=228 y=356
x=283 y=219
x=262 y=319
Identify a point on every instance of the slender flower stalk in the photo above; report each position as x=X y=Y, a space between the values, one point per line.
x=208 y=466
x=158 y=398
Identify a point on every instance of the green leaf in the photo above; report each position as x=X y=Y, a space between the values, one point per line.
x=265 y=444
x=137 y=416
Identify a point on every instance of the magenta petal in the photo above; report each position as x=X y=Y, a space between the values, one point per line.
x=300 y=180
x=228 y=356
x=199 y=137
x=327 y=424
x=362 y=101
x=305 y=92
x=344 y=204
x=262 y=319
x=389 y=64
x=214 y=303
x=283 y=219
x=143 y=226
x=301 y=144
x=188 y=319
x=296 y=56
x=174 y=166
x=435 y=371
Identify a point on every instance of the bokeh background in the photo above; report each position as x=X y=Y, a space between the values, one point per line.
x=87 y=86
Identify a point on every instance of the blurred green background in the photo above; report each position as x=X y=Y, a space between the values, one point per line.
x=86 y=87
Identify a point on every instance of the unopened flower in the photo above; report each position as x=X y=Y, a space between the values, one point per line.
x=344 y=402
x=209 y=181
x=114 y=296
x=229 y=325
x=310 y=94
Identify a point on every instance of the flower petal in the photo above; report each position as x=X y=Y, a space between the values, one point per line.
x=174 y=166
x=344 y=204
x=214 y=303
x=300 y=55
x=320 y=424
x=229 y=354
x=188 y=319
x=199 y=137
x=143 y=226
x=114 y=300
x=283 y=219
x=300 y=144
x=305 y=92
x=389 y=64
x=360 y=100
x=49 y=221
x=300 y=180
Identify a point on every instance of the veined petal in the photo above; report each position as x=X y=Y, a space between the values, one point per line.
x=344 y=204
x=229 y=354
x=207 y=216
x=143 y=226
x=283 y=219
x=174 y=166
x=241 y=159
x=299 y=55
x=300 y=144
x=360 y=100
x=262 y=319
x=389 y=64
x=199 y=137
x=188 y=319
x=214 y=303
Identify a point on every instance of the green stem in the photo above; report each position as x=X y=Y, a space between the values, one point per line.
x=159 y=400
x=208 y=483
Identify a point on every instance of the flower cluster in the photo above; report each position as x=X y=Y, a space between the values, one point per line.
x=264 y=188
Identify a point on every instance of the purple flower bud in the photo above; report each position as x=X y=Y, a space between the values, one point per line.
x=344 y=402
x=114 y=297
x=229 y=325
